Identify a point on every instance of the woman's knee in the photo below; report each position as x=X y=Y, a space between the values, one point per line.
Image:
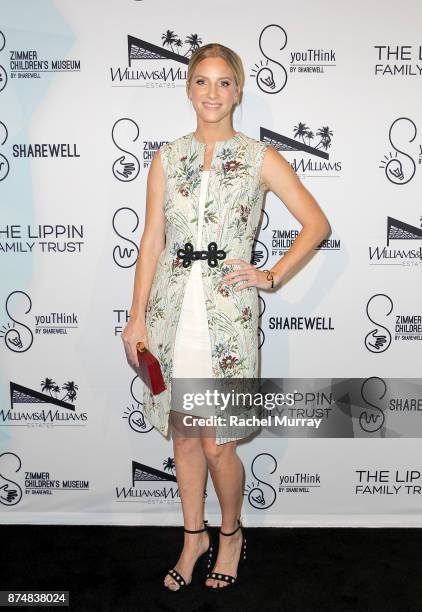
x=183 y=437
x=186 y=444
x=217 y=454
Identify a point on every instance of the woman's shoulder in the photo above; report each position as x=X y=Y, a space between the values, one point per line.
x=253 y=141
x=171 y=144
x=174 y=147
x=254 y=149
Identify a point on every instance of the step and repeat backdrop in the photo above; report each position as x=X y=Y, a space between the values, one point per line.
x=88 y=92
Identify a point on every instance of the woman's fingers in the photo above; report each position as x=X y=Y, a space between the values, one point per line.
x=245 y=267
x=135 y=350
x=241 y=274
x=243 y=285
x=131 y=335
x=251 y=276
x=131 y=354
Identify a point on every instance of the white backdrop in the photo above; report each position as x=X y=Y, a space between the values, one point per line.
x=88 y=91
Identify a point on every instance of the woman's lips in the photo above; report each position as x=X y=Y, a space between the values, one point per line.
x=211 y=106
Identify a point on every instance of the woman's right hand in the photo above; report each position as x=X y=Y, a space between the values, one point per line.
x=134 y=331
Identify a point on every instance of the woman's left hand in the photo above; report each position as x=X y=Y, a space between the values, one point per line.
x=250 y=274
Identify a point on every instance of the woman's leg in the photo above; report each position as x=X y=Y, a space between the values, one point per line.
x=227 y=473
x=191 y=471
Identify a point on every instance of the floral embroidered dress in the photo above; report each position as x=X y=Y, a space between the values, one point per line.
x=231 y=216
x=192 y=350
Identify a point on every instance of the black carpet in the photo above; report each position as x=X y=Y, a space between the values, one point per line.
x=121 y=569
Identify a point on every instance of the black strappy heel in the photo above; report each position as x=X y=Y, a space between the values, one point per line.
x=175 y=574
x=226 y=577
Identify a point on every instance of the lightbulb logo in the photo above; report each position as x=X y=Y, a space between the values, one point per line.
x=400 y=167
x=261 y=494
x=4 y=163
x=3 y=73
x=379 y=338
x=126 y=167
x=271 y=77
x=10 y=490
x=18 y=337
x=125 y=255
x=133 y=414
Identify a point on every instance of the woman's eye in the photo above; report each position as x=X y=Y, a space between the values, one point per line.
x=225 y=83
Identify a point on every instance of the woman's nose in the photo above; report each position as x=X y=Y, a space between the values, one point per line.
x=212 y=91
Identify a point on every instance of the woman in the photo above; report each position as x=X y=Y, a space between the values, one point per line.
x=200 y=316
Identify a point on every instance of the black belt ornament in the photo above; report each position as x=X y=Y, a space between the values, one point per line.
x=188 y=254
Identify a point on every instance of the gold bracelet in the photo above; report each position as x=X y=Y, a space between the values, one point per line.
x=270 y=277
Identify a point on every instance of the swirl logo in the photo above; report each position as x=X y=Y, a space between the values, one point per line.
x=373 y=419
x=10 y=491
x=126 y=167
x=271 y=77
x=17 y=337
x=261 y=494
x=261 y=334
x=400 y=169
x=125 y=256
x=4 y=163
x=259 y=254
x=3 y=73
x=379 y=338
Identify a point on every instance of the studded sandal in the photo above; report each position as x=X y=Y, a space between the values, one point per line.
x=226 y=577
x=176 y=575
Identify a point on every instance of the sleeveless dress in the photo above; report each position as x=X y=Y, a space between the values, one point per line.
x=192 y=349
x=231 y=218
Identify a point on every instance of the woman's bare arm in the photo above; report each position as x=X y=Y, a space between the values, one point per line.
x=278 y=176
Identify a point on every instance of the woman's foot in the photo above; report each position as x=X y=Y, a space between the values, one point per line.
x=229 y=551
x=195 y=544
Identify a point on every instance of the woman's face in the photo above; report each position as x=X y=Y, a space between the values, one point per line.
x=213 y=89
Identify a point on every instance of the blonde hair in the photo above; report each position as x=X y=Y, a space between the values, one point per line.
x=217 y=50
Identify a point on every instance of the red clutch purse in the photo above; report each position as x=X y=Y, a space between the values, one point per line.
x=149 y=370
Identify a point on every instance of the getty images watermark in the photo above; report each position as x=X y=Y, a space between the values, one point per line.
x=306 y=407
x=218 y=402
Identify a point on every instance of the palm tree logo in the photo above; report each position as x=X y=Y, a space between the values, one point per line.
x=169 y=465
x=171 y=39
x=50 y=386
x=302 y=131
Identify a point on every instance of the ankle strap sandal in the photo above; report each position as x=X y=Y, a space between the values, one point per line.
x=196 y=530
x=239 y=525
x=226 y=577
x=175 y=574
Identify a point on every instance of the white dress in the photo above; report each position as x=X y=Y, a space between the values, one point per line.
x=192 y=349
